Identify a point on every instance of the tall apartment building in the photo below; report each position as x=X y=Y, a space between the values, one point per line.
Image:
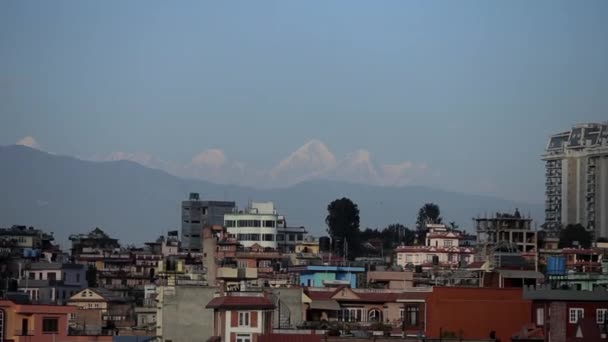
x=576 y=164
x=196 y=214
x=261 y=224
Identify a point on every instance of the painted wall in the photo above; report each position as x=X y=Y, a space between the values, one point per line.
x=475 y=312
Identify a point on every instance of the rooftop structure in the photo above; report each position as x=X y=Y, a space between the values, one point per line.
x=576 y=163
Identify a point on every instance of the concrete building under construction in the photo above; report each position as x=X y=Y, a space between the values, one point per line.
x=507 y=240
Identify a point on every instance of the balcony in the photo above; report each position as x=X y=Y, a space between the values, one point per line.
x=22 y=332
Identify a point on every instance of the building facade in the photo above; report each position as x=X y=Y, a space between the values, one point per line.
x=442 y=248
x=576 y=174
x=261 y=224
x=51 y=282
x=240 y=317
x=195 y=215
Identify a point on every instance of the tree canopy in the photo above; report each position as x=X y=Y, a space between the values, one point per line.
x=391 y=236
x=429 y=213
x=575 y=233
x=343 y=225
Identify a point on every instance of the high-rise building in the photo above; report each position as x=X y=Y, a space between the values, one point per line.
x=196 y=214
x=577 y=179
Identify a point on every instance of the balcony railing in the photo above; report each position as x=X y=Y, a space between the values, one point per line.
x=21 y=332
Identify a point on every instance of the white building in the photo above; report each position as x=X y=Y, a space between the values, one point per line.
x=442 y=248
x=577 y=178
x=261 y=224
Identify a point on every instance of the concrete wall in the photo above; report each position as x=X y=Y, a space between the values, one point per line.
x=183 y=316
x=291 y=299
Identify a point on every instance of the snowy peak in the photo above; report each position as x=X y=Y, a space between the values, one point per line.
x=313 y=158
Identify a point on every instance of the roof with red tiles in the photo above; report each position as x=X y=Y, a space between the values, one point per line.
x=240 y=302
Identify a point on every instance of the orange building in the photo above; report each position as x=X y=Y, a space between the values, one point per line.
x=40 y=323
x=476 y=312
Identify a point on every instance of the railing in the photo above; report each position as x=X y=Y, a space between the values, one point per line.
x=21 y=332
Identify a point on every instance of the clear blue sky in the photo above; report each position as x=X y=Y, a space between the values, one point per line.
x=472 y=88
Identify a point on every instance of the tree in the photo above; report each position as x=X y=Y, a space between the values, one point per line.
x=453 y=225
x=575 y=233
x=397 y=234
x=429 y=213
x=91 y=276
x=343 y=226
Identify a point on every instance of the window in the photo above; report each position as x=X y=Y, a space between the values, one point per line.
x=280 y=237
x=51 y=276
x=242 y=263
x=350 y=315
x=575 y=314
x=447 y=243
x=50 y=325
x=600 y=316
x=540 y=316
x=292 y=237
x=243 y=338
x=412 y=315
x=374 y=315
x=267 y=237
x=71 y=317
x=408 y=258
x=243 y=319
x=248 y=237
x=300 y=237
x=229 y=223
x=269 y=224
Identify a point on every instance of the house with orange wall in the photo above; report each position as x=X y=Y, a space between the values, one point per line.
x=40 y=323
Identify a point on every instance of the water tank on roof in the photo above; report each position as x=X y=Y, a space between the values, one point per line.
x=556 y=265
x=324 y=244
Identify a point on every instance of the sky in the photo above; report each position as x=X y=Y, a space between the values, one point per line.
x=457 y=95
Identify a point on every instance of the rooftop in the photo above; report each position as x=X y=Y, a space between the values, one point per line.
x=546 y=293
x=240 y=302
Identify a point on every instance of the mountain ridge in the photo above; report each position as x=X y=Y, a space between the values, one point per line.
x=134 y=203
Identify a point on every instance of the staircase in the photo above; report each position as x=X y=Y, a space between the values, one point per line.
x=282 y=314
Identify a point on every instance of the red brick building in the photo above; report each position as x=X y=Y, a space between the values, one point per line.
x=475 y=313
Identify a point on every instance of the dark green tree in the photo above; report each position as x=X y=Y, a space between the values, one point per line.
x=429 y=213
x=91 y=276
x=454 y=225
x=575 y=233
x=343 y=226
x=397 y=234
